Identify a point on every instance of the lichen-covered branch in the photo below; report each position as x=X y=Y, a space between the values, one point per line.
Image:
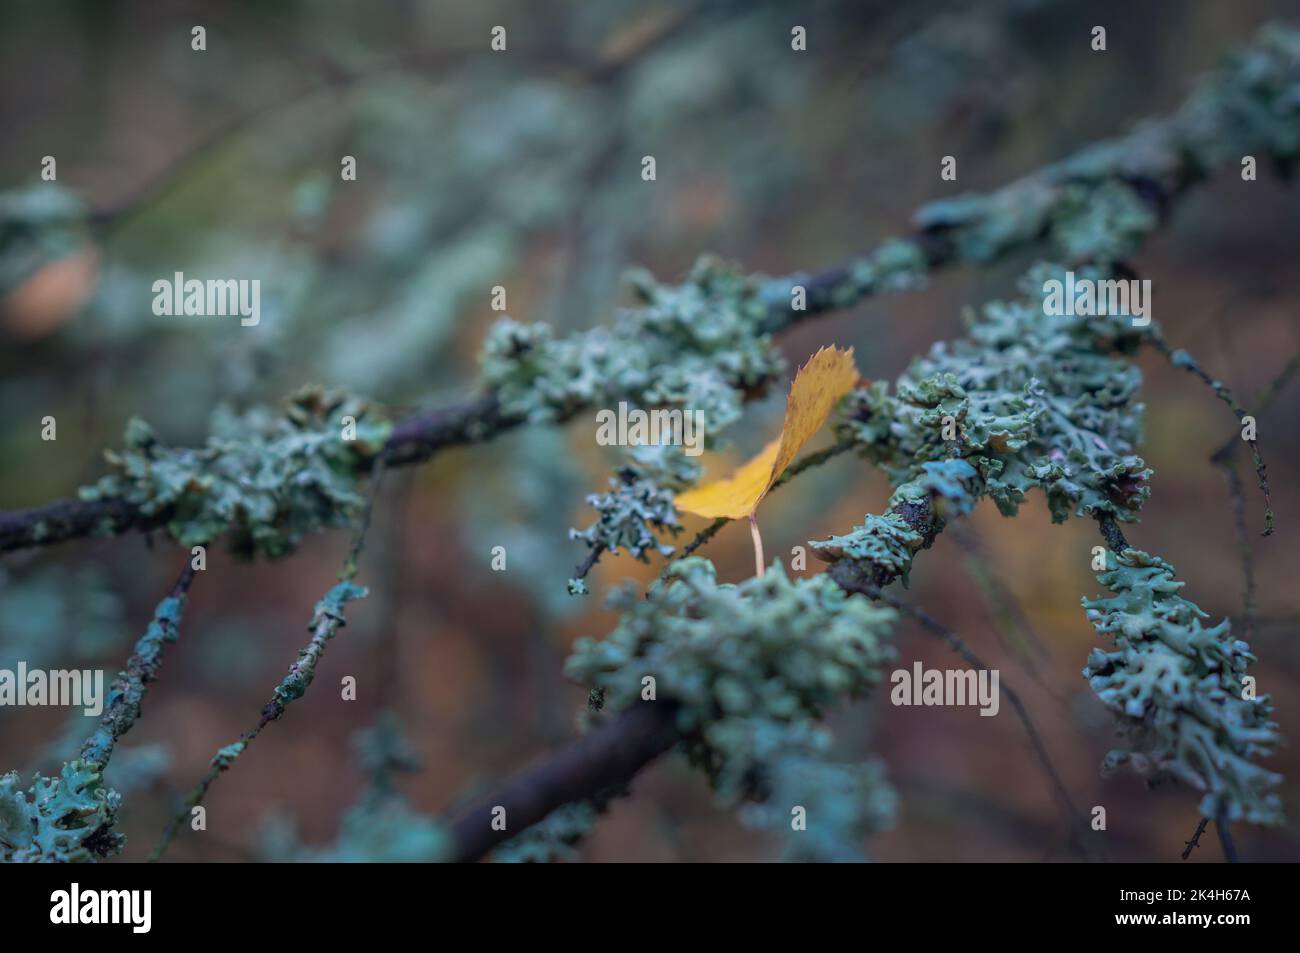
x=327 y=619
x=73 y=817
x=127 y=694
x=1180 y=692
x=1024 y=402
x=706 y=343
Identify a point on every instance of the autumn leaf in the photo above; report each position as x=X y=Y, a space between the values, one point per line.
x=819 y=384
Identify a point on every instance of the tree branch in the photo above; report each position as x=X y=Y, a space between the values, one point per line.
x=609 y=756
x=943 y=237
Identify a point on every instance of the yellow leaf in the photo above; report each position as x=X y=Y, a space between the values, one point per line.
x=734 y=496
x=819 y=384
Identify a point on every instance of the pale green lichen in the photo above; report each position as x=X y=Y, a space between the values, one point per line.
x=1177 y=688
x=823 y=807
x=70 y=818
x=699 y=345
x=946 y=486
x=265 y=480
x=38 y=224
x=553 y=839
x=881 y=549
x=886 y=541
x=126 y=695
x=1030 y=400
x=226 y=756
x=1102 y=223
x=327 y=618
x=752 y=668
x=893 y=267
x=640 y=502
x=1099 y=203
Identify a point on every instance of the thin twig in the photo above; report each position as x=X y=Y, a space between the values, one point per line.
x=324 y=627
x=128 y=691
x=1225 y=458
x=1076 y=821
x=1184 y=361
x=1221 y=827
x=586 y=565
x=1195 y=842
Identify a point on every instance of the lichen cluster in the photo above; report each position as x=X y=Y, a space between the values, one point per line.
x=696 y=345
x=1025 y=401
x=64 y=819
x=1099 y=203
x=553 y=839
x=895 y=266
x=752 y=668
x=1030 y=401
x=126 y=695
x=842 y=802
x=702 y=346
x=1177 y=688
x=38 y=224
x=72 y=817
x=265 y=480
x=326 y=619
x=885 y=541
x=639 y=503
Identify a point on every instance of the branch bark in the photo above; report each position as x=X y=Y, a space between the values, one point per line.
x=607 y=757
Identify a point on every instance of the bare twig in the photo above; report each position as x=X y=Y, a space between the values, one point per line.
x=1195 y=842
x=1076 y=821
x=1182 y=360
x=584 y=567
x=1225 y=458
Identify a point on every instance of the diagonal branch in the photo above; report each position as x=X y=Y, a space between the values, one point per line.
x=610 y=756
x=1161 y=160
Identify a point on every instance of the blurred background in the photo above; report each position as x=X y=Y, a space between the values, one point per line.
x=522 y=169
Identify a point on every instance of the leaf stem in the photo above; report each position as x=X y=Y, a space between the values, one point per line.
x=758 y=546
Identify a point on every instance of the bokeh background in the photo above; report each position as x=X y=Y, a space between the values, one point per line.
x=523 y=169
